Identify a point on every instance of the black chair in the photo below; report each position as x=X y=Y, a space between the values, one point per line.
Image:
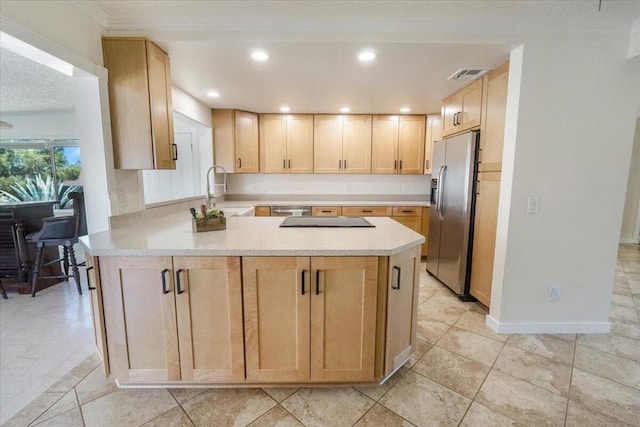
x=60 y=231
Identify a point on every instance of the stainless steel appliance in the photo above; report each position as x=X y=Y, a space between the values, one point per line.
x=290 y=210
x=325 y=221
x=452 y=208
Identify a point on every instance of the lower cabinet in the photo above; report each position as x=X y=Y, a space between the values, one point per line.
x=310 y=319
x=97 y=311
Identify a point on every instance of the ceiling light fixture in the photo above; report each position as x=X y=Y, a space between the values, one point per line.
x=367 y=56
x=285 y=109
x=259 y=55
x=213 y=94
x=405 y=109
x=345 y=109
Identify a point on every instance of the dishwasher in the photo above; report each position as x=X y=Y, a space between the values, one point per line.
x=290 y=210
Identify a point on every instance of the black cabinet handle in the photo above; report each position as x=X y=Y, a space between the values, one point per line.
x=88 y=281
x=395 y=267
x=339 y=164
x=239 y=162
x=178 y=284
x=344 y=162
x=289 y=164
x=367 y=211
x=284 y=164
x=400 y=164
x=164 y=281
x=326 y=211
x=317 y=282
x=175 y=152
x=395 y=164
x=407 y=211
x=302 y=286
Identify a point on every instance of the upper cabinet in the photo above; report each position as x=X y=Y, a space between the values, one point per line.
x=398 y=144
x=286 y=143
x=462 y=110
x=140 y=104
x=434 y=133
x=342 y=143
x=493 y=118
x=235 y=140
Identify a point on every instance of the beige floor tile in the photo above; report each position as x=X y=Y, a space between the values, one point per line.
x=424 y=402
x=481 y=416
x=621 y=289
x=33 y=410
x=184 y=394
x=376 y=392
x=473 y=321
x=280 y=393
x=70 y=418
x=127 y=406
x=622 y=300
x=521 y=401
x=606 y=365
x=471 y=345
x=580 y=416
x=175 y=417
x=94 y=385
x=537 y=370
x=380 y=416
x=421 y=348
x=458 y=373
x=229 y=407
x=627 y=331
x=547 y=346
x=623 y=314
x=605 y=396
x=441 y=311
x=620 y=346
x=566 y=337
x=431 y=330
x=76 y=375
x=68 y=401
x=276 y=417
x=328 y=406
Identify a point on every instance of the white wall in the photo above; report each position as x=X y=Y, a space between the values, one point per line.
x=45 y=125
x=576 y=117
x=629 y=232
x=276 y=184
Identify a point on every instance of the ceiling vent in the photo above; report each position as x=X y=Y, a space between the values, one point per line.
x=468 y=73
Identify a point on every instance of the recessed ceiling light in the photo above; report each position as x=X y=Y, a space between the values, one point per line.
x=259 y=55
x=405 y=109
x=213 y=94
x=345 y=109
x=285 y=109
x=367 y=55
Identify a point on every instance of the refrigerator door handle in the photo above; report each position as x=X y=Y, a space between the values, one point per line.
x=441 y=172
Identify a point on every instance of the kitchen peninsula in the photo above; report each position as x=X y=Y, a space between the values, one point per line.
x=253 y=304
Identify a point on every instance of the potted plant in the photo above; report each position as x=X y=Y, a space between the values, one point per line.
x=207 y=220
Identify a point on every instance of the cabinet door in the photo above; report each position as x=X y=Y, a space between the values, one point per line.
x=411 y=137
x=471 y=106
x=413 y=222
x=356 y=144
x=97 y=311
x=209 y=310
x=450 y=107
x=484 y=235
x=343 y=318
x=384 y=144
x=246 y=142
x=276 y=292
x=327 y=144
x=140 y=316
x=493 y=118
x=273 y=143
x=262 y=211
x=164 y=150
x=425 y=230
x=300 y=143
x=402 y=305
x=326 y=211
x=434 y=133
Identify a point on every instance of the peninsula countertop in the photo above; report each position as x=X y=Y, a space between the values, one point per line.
x=251 y=236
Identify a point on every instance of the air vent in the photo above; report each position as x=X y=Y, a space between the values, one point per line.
x=468 y=73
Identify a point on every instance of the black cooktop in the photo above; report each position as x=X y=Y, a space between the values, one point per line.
x=325 y=221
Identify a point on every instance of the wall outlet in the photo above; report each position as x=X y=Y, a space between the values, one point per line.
x=554 y=293
x=532 y=205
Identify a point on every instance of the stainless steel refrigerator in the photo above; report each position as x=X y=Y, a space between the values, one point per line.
x=451 y=213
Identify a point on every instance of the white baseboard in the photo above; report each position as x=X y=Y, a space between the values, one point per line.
x=549 y=327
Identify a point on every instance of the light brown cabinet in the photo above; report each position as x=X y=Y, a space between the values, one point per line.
x=140 y=104
x=366 y=211
x=286 y=143
x=342 y=143
x=410 y=216
x=463 y=110
x=262 y=211
x=493 y=119
x=434 y=133
x=314 y=319
x=425 y=230
x=326 y=211
x=235 y=140
x=97 y=312
x=397 y=145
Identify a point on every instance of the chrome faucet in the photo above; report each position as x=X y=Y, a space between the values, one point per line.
x=209 y=205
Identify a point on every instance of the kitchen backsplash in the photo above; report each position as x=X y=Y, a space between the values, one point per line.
x=281 y=184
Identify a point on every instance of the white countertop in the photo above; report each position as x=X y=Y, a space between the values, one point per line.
x=251 y=236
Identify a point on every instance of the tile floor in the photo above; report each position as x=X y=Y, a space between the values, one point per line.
x=462 y=374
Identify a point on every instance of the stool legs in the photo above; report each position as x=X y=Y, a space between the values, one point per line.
x=74 y=268
x=65 y=261
x=36 y=269
x=4 y=293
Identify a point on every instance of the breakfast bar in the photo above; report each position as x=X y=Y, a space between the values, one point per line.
x=254 y=304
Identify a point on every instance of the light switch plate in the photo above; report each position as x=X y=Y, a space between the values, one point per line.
x=532 y=205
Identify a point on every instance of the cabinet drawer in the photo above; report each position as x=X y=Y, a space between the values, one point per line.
x=366 y=211
x=326 y=211
x=262 y=211
x=407 y=211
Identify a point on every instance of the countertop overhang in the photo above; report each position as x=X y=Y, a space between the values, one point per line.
x=172 y=235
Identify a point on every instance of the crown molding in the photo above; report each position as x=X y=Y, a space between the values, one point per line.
x=89 y=9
